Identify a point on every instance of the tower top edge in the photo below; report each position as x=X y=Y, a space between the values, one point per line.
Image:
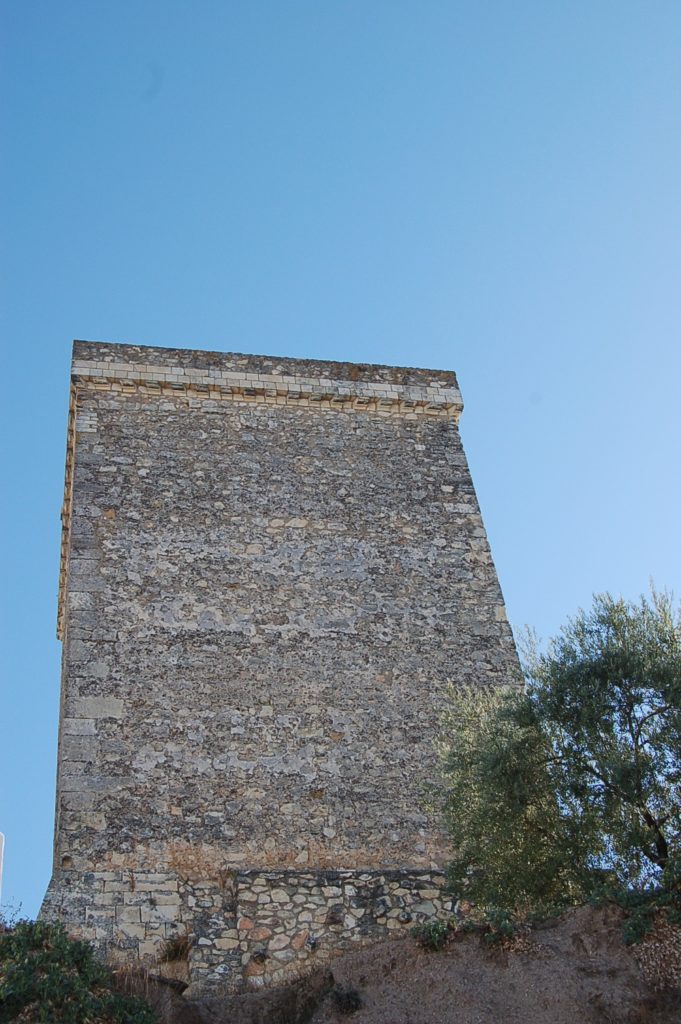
x=140 y=356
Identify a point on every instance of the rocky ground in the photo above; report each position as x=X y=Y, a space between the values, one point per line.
x=575 y=970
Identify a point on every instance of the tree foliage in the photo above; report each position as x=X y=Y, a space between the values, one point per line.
x=47 y=976
x=575 y=780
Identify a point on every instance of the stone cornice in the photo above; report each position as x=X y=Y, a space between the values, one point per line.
x=234 y=385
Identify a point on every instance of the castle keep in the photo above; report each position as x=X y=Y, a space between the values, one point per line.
x=270 y=569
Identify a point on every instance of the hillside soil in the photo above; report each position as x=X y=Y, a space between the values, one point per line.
x=574 y=970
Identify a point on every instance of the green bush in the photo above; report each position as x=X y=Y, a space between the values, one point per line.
x=643 y=905
x=431 y=934
x=45 y=977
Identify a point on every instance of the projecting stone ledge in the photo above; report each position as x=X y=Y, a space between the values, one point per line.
x=219 y=375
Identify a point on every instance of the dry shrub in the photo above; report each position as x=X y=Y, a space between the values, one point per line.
x=175 y=948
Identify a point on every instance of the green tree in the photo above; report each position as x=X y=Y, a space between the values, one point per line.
x=45 y=976
x=574 y=780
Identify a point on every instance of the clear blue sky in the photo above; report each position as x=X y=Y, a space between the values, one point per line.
x=489 y=186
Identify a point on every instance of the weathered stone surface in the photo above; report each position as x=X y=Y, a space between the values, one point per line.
x=270 y=568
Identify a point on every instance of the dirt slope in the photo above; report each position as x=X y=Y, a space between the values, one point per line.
x=575 y=970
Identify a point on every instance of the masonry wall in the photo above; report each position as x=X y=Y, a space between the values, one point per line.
x=270 y=570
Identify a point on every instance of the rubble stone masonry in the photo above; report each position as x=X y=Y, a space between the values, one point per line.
x=270 y=570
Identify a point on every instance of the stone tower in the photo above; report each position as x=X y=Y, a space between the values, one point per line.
x=270 y=567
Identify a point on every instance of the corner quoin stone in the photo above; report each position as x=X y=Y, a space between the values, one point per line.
x=270 y=569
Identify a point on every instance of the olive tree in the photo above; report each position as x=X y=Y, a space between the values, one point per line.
x=574 y=779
